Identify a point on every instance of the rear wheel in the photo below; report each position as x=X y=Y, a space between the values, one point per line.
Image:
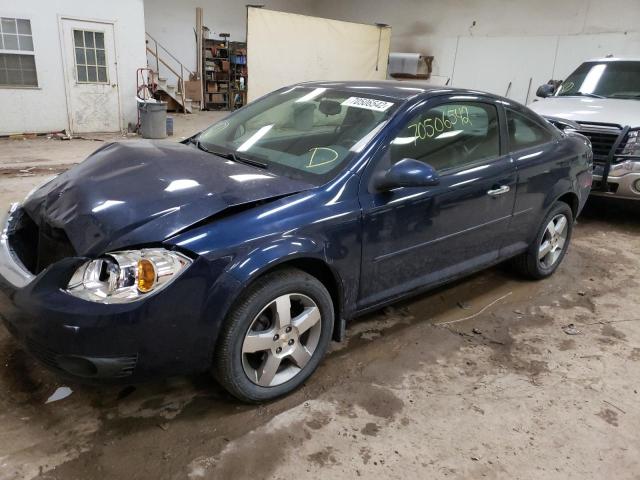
x=275 y=337
x=546 y=253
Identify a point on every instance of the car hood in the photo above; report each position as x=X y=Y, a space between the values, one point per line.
x=139 y=192
x=585 y=109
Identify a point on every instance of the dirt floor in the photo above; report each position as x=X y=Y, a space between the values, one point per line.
x=491 y=377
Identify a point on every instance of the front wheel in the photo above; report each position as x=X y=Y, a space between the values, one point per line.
x=275 y=337
x=550 y=246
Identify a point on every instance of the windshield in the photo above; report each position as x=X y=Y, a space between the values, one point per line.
x=302 y=132
x=616 y=79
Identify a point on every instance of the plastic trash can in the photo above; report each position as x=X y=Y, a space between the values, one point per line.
x=153 y=119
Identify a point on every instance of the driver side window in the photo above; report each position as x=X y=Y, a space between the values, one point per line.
x=450 y=135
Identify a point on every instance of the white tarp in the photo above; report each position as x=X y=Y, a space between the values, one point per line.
x=285 y=48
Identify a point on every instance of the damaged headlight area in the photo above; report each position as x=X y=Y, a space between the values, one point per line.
x=126 y=276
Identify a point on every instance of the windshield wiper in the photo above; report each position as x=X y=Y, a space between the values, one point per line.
x=247 y=161
x=200 y=146
x=233 y=156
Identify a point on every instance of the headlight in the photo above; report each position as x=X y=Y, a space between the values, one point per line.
x=126 y=276
x=632 y=145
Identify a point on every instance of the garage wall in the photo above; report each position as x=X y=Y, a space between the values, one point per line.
x=488 y=44
x=172 y=23
x=44 y=109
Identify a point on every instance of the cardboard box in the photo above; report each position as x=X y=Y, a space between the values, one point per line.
x=225 y=65
x=212 y=87
x=192 y=90
x=217 y=98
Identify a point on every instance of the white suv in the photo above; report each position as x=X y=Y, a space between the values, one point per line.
x=601 y=100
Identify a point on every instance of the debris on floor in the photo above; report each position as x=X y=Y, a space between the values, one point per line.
x=60 y=394
x=571 y=329
x=60 y=136
x=480 y=312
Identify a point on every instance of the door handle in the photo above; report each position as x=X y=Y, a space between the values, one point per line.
x=499 y=191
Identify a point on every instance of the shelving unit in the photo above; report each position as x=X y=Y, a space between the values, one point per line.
x=217 y=73
x=225 y=73
x=238 y=74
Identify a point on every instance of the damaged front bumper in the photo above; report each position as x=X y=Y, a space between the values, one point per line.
x=11 y=268
x=165 y=334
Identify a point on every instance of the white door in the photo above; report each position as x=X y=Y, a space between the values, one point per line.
x=91 y=76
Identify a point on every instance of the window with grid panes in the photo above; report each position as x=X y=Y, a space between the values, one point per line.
x=91 y=57
x=17 y=59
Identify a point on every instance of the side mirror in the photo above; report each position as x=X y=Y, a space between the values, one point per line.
x=406 y=173
x=545 y=90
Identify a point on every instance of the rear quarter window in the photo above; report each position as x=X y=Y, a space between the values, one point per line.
x=525 y=133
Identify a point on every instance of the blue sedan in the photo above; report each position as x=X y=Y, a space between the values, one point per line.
x=247 y=248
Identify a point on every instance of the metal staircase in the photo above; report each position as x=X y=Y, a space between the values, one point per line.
x=169 y=74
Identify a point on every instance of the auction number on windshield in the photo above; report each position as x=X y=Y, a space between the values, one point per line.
x=431 y=126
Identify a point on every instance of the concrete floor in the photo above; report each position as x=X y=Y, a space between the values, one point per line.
x=43 y=153
x=474 y=380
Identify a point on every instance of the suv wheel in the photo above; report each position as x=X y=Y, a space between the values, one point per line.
x=545 y=254
x=275 y=336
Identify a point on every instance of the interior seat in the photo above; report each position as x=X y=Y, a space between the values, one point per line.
x=356 y=123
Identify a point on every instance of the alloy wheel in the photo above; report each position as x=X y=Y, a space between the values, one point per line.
x=553 y=241
x=281 y=340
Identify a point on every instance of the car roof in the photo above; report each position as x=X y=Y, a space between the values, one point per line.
x=400 y=90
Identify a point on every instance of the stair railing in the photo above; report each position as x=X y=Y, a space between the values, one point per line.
x=158 y=51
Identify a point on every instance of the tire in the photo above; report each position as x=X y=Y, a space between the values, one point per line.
x=531 y=263
x=261 y=354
